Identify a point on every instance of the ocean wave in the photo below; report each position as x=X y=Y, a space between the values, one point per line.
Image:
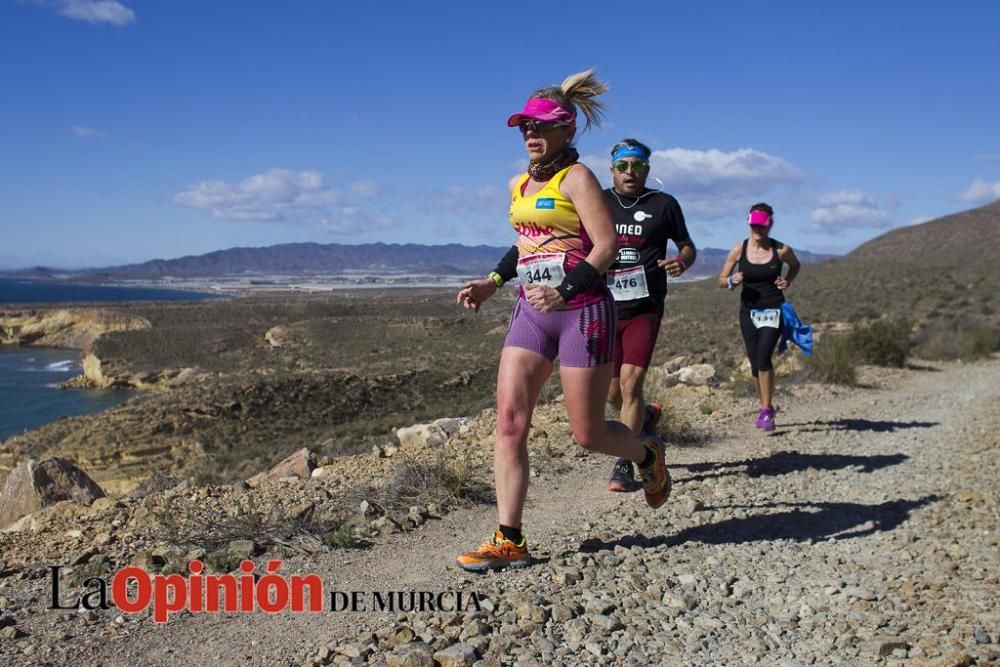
x=60 y=366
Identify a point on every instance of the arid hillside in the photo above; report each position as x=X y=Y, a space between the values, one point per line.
x=238 y=384
x=965 y=240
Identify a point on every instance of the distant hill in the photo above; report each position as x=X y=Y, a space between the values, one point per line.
x=945 y=270
x=710 y=260
x=962 y=238
x=963 y=241
x=316 y=258
x=334 y=258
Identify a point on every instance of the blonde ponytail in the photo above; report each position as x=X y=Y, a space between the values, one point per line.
x=579 y=90
x=582 y=90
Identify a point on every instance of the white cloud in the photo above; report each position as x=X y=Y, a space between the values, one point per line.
x=265 y=197
x=981 y=192
x=921 y=219
x=366 y=189
x=302 y=197
x=713 y=184
x=82 y=132
x=847 y=209
x=97 y=11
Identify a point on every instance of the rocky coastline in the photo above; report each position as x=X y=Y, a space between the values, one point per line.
x=309 y=431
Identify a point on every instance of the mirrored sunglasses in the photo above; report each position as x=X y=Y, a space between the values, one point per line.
x=637 y=167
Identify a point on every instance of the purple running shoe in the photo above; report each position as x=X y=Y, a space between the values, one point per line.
x=765 y=420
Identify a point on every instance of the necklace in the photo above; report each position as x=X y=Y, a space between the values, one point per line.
x=633 y=204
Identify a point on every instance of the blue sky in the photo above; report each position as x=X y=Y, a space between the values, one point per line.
x=138 y=129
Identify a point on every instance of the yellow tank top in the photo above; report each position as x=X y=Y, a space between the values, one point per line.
x=546 y=222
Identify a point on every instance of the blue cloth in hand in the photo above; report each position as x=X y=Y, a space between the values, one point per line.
x=795 y=331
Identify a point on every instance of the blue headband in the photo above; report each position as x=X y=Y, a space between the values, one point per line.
x=630 y=151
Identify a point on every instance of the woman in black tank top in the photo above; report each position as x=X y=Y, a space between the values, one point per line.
x=759 y=261
x=758 y=280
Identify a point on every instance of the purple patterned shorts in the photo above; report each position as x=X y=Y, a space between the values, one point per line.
x=581 y=337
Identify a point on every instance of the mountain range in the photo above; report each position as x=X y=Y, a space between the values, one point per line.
x=961 y=239
x=292 y=259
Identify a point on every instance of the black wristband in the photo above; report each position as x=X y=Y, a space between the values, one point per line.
x=507 y=268
x=579 y=278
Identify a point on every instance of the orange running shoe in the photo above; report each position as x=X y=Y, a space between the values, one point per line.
x=656 y=478
x=651 y=418
x=496 y=553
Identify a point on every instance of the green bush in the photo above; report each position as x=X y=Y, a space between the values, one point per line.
x=976 y=343
x=883 y=342
x=341 y=537
x=833 y=361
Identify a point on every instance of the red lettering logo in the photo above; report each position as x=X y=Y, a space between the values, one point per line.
x=532 y=229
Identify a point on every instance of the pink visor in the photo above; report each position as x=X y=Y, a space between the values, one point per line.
x=537 y=108
x=762 y=218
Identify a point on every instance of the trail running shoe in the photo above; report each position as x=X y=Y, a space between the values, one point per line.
x=656 y=478
x=652 y=418
x=622 y=477
x=766 y=419
x=495 y=554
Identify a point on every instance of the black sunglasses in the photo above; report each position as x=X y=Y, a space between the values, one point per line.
x=538 y=125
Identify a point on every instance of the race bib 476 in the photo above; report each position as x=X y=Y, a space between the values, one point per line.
x=628 y=284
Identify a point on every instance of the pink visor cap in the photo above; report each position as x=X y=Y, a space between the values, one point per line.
x=537 y=108
x=762 y=218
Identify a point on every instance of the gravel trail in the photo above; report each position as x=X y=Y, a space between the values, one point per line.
x=863 y=531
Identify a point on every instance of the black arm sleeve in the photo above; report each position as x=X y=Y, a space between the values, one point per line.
x=579 y=278
x=507 y=268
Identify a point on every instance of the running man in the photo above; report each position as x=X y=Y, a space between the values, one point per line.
x=644 y=220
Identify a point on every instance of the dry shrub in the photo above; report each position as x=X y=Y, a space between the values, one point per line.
x=447 y=482
x=833 y=362
x=941 y=342
x=977 y=343
x=882 y=342
x=674 y=428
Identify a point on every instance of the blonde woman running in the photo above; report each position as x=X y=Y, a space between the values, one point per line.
x=565 y=243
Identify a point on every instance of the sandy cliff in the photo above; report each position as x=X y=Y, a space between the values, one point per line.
x=75 y=328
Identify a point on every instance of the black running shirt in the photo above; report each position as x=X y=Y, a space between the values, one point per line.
x=644 y=225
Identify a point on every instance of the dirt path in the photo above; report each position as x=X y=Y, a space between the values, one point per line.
x=863 y=531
